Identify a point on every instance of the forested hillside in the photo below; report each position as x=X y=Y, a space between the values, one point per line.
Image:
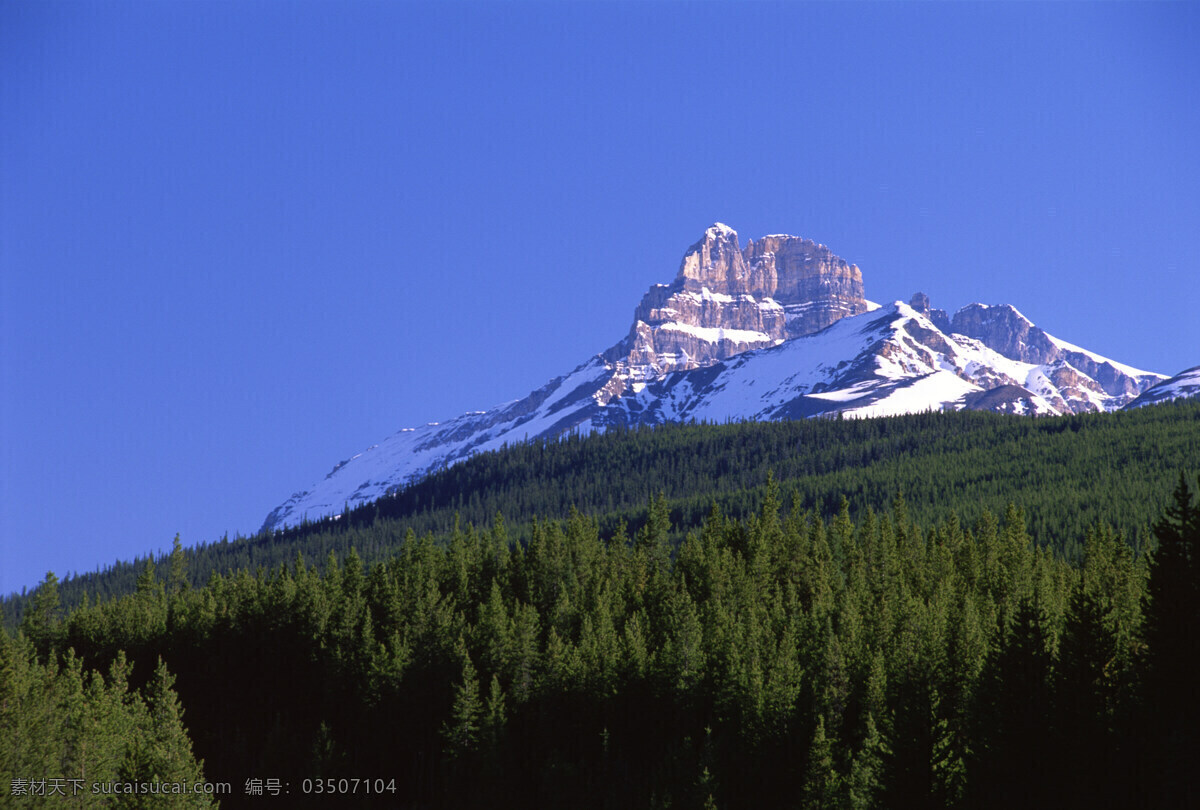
x=778 y=660
x=738 y=639
x=1068 y=473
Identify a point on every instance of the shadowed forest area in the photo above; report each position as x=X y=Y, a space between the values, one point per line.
x=772 y=652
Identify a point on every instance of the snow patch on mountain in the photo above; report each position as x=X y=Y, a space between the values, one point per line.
x=1184 y=385
x=715 y=334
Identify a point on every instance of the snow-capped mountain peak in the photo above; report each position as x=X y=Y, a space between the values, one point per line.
x=779 y=329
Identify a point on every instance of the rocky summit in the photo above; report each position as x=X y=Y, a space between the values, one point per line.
x=726 y=300
x=779 y=329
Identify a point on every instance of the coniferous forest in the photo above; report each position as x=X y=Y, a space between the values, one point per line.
x=944 y=610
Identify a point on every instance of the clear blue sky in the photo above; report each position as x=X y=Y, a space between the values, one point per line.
x=241 y=241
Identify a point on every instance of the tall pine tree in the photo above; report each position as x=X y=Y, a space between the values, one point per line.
x=1172 y=627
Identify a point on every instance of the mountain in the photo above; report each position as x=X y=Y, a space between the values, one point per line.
x=726 y=300
x=778 y=330
x=1185 y=384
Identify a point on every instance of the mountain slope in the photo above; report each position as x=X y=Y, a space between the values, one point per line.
x=779 y=330
x=1185 y=384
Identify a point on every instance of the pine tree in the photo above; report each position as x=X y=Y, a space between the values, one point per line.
x=682 y=656
x=1083 y=707
x=41 y=620
x=492 y=634
x=461 y=732
x=523 y=655
x=147 y=582
x=1011 y=763
x=866 y=768
x=177 y=581
x=822 y=784
x=166 y=743
x=654 y=538
x=1172 y=625
x=496 y=713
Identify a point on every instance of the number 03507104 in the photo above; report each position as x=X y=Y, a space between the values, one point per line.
x=348 y=786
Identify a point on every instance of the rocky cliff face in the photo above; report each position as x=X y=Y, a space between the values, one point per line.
x=920 y=303
x=1086 y=380
x=1005 y=330
x=815 y=287
x=726 y=300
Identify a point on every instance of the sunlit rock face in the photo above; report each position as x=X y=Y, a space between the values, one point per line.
x=1087 y=381
x=815 y=287
x=726 y=300
x=1007 y=331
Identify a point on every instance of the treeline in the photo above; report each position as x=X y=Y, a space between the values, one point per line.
x=1069 y=473
x=776 y=659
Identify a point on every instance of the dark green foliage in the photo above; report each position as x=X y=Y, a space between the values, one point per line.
x=1172 y=627
x=1069 y=473
x=60 y=722
x=776 y=660
x=41 y=617
x=1088 y=690
x=1012 y=762
x=780 y=649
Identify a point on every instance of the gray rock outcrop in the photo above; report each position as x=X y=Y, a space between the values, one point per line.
x=726 y=300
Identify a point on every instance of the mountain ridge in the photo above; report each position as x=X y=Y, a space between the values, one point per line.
x=780 y=329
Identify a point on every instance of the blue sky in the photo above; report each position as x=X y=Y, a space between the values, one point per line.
x=240 y=242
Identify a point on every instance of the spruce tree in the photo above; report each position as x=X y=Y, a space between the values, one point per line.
x=1172 y=626
x=1084 y=693
x=822 y=783
x=177 y=580
x=866 y=768
x=1011 y=761
x=41 y=620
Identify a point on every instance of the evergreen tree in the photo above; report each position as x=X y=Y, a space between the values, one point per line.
x=1012 y=761
x=461 y=732
x=41 y=620
x=866 y=768
x=496 y=714
x=1087 y=767
x=822 y=784
x=177 y=580
x=654 y=538
x=1172 y=626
